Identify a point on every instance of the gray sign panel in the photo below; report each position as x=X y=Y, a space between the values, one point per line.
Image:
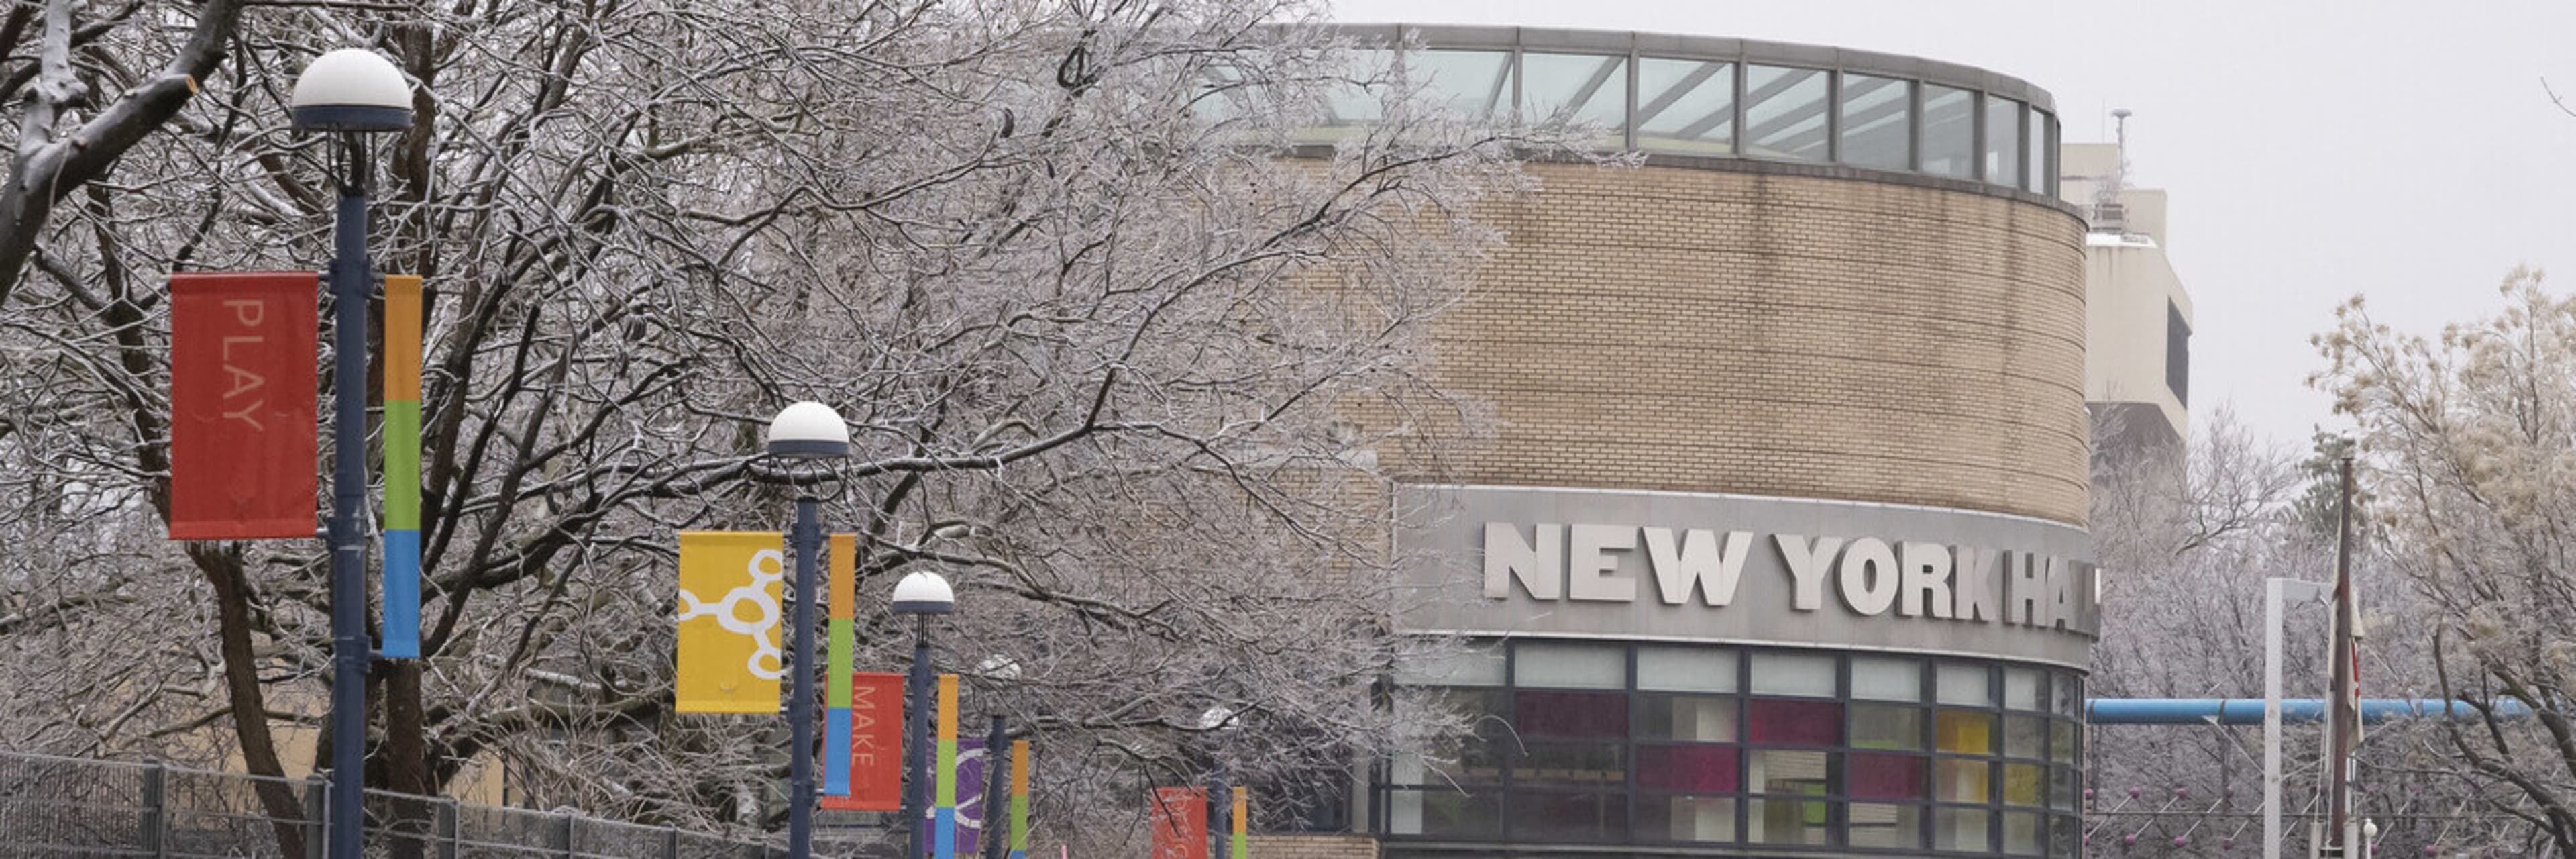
x=1728 y=568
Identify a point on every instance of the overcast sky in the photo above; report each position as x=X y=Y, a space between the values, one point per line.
x=2312 y=150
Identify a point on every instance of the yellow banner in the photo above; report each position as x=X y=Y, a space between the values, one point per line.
x=729 y=621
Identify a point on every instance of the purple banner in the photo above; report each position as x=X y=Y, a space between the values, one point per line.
x=970 y=797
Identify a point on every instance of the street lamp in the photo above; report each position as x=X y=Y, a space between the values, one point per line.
x=350 y=92
x=921 y=595
x=805 y=431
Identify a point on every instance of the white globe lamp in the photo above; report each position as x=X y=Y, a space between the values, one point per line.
x=808 y=430
x=351 y=90
x=924 y=592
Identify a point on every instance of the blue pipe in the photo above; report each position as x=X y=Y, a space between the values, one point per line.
x=2249 y=711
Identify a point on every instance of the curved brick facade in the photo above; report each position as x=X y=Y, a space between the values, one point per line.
x=1791 y=332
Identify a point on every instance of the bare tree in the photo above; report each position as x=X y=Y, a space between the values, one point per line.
x=2464 y=442
x=1115 y=364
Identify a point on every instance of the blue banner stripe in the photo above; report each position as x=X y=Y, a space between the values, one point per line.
x=836 y=751
x=402 y=595
x=946 y=826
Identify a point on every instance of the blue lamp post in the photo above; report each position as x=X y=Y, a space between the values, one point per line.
x=349 y=93
x=805 y=431
x=921 y=595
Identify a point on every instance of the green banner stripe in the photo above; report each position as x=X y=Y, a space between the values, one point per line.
x=948 y=773
x=1019 y=821
x=837 y=678
x=402 y=465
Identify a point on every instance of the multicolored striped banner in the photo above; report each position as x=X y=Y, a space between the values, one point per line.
x=1019 y=799
x=402 y=466
x=944 y=827
x=1242 y=823
x=836 y=695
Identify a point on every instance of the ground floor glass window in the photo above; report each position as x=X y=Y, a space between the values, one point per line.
x=1602 y=743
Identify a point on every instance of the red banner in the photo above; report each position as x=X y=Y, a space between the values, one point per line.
x=1180 y=823
x=242 y=438
x=876 y=744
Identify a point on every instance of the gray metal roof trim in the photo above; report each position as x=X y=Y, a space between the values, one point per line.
x=1687 y=46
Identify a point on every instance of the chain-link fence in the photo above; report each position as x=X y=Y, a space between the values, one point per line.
x=52 y=806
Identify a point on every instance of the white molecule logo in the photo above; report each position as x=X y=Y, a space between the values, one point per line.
x=768 y=567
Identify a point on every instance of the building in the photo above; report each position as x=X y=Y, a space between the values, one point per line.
x=1779 y=547
x=2137 y=365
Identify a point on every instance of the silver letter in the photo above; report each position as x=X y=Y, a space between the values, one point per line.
x=1593 y=574
x=1697 y=562
x=1807 y=564
x=1540 y=569
x=1927 y=580
x=2061 y=596
x=2026 y=599
x=1976 y=585
x=1869 y=578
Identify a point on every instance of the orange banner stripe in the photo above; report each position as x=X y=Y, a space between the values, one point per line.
x=402 y=337
x=845 y=569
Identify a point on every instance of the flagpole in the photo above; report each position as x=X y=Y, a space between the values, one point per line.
x=2339 y=761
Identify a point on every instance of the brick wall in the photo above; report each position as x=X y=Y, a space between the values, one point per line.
x=1313 y=847
x=1720 y=331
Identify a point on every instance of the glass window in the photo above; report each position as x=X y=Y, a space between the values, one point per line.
x=1789 y=821
x=2062 y=741
x=1886 y=726
x=1570 y=764
x=1441 y=811
x=1960 y=829
x=1967 y=685
x=1698 y=769
x=1881 y=678
x=1686 y=106
x=1889 y=826
x=1686 y=669
x=1476 y=84
x=1962 y=780
x=1477 y=757
x=1877 y=122
x=1570 y=816
x=2025 y=736
x=1689 y=718
x=1949 y=131
x=2022 y=833
x=1793 y=674
x=1577 y=88
x=2066 y=689
x=2025 y=784
x=1475 y=666
x=2021 y=689
x=1966 y=732
x=2003 y=141
x=2041 y=157
x=1784 y=113
x=2062 y=788
x=1570 y=666
x=1795 y=723
x=1348 y=100
x=1474 y=761
x=1883 y=776
x=1787 y=771
x=1571 y=714
x=1686 y=818
x=2067 y=837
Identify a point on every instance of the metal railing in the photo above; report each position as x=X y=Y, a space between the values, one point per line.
x=53 y=806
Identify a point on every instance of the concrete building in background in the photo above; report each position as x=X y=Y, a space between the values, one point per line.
x=1778 y=547
x=2137 y=359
